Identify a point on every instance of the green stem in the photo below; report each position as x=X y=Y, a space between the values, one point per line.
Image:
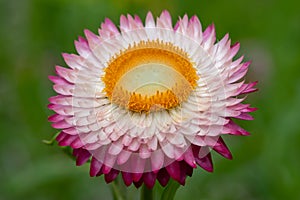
x=146 y=193
x=116 y=190
x=170 y=191
x=52 y=140
x=67 y=150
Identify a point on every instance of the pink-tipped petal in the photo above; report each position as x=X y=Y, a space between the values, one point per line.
x=105 y=169
x=165 y=20
x=71 y=131
x=111 y=176
x=195 y=29
x=206 y=163
x=115 y=148
x=65 y=73
x=233 y=128
x=109 y=162
x=55 y=118
x=82 y=157
x=123 y=157
x=209 y=32
x=58 y=80
x=138 y=21
x=150 y=23
x=127 y=178
x=244 y=116
x=132 y=23
x=82 y=48
x=124 y=24
x=182 y=25
x=61 y=136
x=149 y=179
x=249 y=109
x=157 y=160
x=222 y=149
x=203 y=161
x=67 y=140
x=189 y=157
x=163 y=177
x=136 y=176
x=61 y=125
x=176 y=26
x=91 y=37
x=248 y=88
x=77 y=143
x=174 y=170
x=186 y=168
x=137 y=164
x=95 y=167
x=139 y=183
x=144 y=152
x=111 y=26
x=234 y=49
x=240 y=73
x=82 y=40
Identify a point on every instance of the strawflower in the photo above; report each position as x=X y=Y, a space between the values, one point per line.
x=149 y=101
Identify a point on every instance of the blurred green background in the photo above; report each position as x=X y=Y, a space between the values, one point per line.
x=34 y=33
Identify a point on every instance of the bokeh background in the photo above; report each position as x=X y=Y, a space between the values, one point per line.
x=33 y=34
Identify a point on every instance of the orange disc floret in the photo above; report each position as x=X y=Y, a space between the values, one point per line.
x=153 y=53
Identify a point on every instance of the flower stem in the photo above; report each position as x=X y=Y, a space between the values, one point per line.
x=115 y=187
x=170 y=191
x=146 y=193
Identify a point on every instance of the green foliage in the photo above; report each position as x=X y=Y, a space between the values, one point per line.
x=34 y=33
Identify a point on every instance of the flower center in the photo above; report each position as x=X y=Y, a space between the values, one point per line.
x=149 y=76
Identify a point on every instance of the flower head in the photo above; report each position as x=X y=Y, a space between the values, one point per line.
x=150 y=101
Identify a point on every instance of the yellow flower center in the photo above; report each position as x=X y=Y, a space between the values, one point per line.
x=149 y=76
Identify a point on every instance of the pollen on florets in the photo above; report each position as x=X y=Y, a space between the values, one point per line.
x=155 y=59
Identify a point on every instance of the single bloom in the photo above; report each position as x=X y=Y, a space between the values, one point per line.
x=149 y=101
